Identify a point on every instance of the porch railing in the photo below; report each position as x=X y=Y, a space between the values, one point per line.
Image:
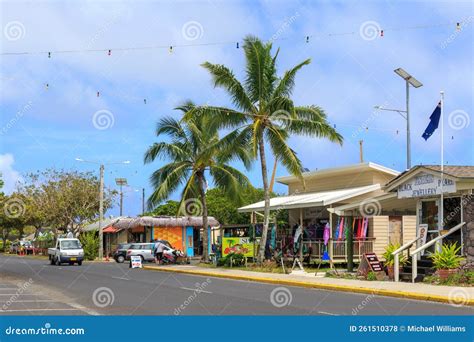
x=414 y=256
x=339 y=248
x=396 y=255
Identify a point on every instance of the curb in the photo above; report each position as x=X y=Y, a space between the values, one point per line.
x=333 y=287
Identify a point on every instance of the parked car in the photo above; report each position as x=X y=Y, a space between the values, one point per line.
x=120 y=253
x=66 y=250
x=24 y=245
x=144 y=250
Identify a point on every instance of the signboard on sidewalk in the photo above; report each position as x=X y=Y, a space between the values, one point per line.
x=370 y=263
x=239 y=245
x=136 y=262
x=424 y=185
x=423 y=233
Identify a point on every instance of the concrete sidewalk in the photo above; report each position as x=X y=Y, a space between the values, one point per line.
x=445 y=294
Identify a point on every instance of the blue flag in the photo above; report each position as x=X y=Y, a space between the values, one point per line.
x=434 y=122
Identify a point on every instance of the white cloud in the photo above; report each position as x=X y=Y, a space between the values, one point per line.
x=9 y=175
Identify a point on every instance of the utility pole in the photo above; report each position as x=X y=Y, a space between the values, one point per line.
x=409 y=80
x=361 y=151
x=101 y=212
x=121 y=200
x=101 y=199
x=408 y=125
x=143 y=201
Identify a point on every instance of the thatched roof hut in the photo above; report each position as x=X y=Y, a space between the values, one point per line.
x=163 y=221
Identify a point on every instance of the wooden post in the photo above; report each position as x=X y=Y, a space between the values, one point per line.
x=361 y=150
x=302 y=235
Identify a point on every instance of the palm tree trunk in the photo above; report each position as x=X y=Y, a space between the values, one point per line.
x=205 y=228
x=266 y=211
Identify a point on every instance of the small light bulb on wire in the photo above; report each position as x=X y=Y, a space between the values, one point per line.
x=49 y=54
x=110 y=52
x=98 y=94
x=170 y=50
x=458 y=26
x=237 y=45
x=307 y=39
x=381 y=33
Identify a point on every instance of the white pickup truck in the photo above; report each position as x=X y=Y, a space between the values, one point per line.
x=66 y=251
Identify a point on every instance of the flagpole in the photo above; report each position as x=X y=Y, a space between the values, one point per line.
x=442 y=162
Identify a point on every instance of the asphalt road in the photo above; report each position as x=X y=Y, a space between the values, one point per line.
x=33 y=287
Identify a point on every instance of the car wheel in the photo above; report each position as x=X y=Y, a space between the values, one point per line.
x=51 y=260
x=120 y=259
x=58 y=261
x=79 y=263
x=143 y=259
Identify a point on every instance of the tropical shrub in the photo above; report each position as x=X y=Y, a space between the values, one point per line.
x=237 y=259
x=447 y=258
x=90 y=243
x=390 y=259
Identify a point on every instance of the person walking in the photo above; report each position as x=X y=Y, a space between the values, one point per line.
x=159 y=247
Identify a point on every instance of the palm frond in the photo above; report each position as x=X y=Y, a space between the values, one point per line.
x=225 y=78
x=287 y=82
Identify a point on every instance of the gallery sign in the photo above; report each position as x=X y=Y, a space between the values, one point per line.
x=424 y=185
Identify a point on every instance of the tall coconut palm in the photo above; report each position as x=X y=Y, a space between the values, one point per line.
x=264 y=112
x=195 y=151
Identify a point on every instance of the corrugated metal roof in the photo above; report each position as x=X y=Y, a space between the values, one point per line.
x=313 y=199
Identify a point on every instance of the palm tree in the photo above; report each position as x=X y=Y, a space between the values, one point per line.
x=265 y=113
x=195 y=151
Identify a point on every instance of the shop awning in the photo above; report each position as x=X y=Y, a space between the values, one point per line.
x=312 y=199
x=388 y=203
x=110 y=229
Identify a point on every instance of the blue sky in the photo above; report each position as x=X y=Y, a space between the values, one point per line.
x=351 y=71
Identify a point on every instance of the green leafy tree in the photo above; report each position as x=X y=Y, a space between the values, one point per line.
x=62 y=199
x=196 y=152
x=265 y=113
x=170 y=208
x=90 y=244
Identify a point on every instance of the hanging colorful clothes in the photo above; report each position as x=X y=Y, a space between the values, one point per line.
x=326 y=234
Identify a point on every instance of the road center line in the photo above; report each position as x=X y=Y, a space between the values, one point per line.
x=328 y=313
x=195 y=290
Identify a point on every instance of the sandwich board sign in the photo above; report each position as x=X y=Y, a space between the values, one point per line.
x=135 y=261
x=370 y=263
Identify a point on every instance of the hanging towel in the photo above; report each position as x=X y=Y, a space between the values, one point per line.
x=366 y=225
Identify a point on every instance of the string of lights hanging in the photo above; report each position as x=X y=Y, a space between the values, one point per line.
x=172 y=47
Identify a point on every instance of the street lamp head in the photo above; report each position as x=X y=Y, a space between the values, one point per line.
x=407 y=77
x=126 y=162
x=378 y=107
x=80 y=159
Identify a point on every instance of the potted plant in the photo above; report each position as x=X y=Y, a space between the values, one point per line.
x=390 y=259
x=447 y=260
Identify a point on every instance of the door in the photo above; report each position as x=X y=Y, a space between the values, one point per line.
x=395 y=230
x=189 y=242
x=429 y=214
